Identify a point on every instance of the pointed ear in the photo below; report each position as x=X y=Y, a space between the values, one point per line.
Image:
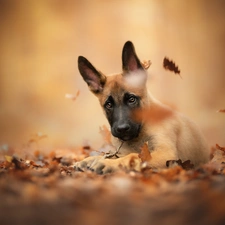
x=129 y=58
x=91 y=76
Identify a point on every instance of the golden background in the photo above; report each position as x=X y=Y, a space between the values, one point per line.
x=41 y=40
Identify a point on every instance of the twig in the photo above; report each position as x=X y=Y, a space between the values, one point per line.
x=110 y=155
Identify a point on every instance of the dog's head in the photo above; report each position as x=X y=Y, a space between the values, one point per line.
x=120 y=95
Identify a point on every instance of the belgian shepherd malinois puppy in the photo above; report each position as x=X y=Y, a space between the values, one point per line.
x=135 y=118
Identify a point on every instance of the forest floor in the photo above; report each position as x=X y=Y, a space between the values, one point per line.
x=38 y=188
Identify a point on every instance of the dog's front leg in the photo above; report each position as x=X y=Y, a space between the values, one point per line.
x=129 y=162
x=87 y=163
x=102 y=165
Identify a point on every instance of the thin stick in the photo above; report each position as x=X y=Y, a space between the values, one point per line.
x=110 y=155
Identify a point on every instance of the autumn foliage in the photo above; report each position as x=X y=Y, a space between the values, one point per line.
x=44 y=188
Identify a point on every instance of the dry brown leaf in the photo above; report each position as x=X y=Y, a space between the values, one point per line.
x=187 y=165
x=170 y=65
x=19 y=163
x=145 y=154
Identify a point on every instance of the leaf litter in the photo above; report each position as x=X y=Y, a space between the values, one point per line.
x=48 y=189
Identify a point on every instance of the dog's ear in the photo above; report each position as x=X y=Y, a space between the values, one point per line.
x=129 y=58
x=91 y=76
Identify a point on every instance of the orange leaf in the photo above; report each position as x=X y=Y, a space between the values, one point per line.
x=220 y=148
x=145 y=155
x=106 y=134
x=153 y=114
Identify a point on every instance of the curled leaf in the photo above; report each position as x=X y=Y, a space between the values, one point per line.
x=146 y=64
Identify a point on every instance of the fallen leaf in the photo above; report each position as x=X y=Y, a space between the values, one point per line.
x=8 y=158
x=220 y=148
x=187 y=165
x=106 y=134
x=19 y=163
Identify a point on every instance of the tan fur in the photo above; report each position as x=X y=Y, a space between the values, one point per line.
x=170 y=137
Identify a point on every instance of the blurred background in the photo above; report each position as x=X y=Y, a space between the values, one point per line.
x=41 y=40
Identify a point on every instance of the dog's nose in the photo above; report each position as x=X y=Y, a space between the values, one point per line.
x=123 y=128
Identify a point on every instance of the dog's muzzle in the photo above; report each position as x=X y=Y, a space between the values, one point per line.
x=126 y=131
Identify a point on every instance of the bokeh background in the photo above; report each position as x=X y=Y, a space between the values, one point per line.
x=41 y=40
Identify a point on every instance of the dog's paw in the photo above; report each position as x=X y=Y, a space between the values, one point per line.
x=101 y=165
x=87 y=163
x=97 y=164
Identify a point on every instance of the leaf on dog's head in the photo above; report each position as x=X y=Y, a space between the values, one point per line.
x=221 y=110
x=153 y=114
x=145 y=154
x=170 y=65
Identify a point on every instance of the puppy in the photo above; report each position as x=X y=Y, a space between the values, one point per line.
x=136 y=117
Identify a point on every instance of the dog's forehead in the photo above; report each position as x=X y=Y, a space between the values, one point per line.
x=116 y=86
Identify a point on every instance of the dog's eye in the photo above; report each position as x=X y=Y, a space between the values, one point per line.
x=132 y=100
x=108 y=105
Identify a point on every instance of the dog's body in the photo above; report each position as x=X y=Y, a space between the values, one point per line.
x=136 y=118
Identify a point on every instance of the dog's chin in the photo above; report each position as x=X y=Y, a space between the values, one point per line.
x=126 y=137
